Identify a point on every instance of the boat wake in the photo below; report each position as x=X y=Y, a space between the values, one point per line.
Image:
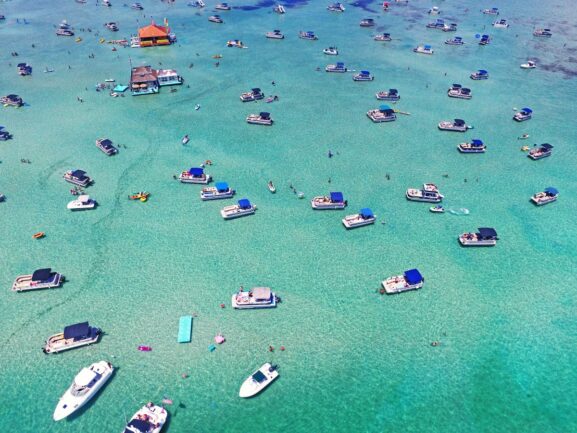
x=458 y=211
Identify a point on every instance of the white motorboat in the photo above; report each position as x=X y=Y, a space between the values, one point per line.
x=367 y=22
x=106 y=3
x=501 y=24
x=437 y=209
x=428 y=193
x=243 y=208
x=136 y=6
x=485 y=40
x=523 y=115
x=434 y=10
x=39 y=279
x=78 y=335
x=336 y=7
x=331 y=51
x=260 y=119
x=112 y=26
x=222 y=7
x=275 y=34
x=382 y=114
x=253 y=95
x=439 y=24
x=449 y=27
x=540 y=152
x=529 y=65
x=543 y=33
x=85 y=386
x=383 y=37
x=424 y=49
x=492 y=11
x=460 y=92
x=474 y=146
x=257 y=297
x=363 y=218
x=258 y=381
x=410 y=280
x=149 y=419
x=457 y=125
x=219 y=191
x=363 y=76
x=279 y=9
x=390 y=95
x=338 y=67
x=215 y=19
x=106 y=146
x=195 y=175
x=481 y=74
x=271 y=186
x=77 y=177
x=457 y=40
x=308 y=35
x=485 y=237
x=185 y=139
x=335 y=200
x=196 y=3
x=64 y=29
x=549 y=195
x=83 y=202
x=236 y=43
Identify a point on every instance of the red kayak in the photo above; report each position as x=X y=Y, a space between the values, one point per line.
x=144 y=348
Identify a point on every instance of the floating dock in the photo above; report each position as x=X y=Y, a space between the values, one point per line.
x=185 y=329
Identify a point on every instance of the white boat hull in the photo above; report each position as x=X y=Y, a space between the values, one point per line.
x=354 y=221
x=232 y=212
x=250 y=387
x=398 y=284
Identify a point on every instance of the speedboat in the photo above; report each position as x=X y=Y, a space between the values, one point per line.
x=257 y=297
x=539 y=152
x=437 y=209
x=111 y=26
x=24 y=69
x=410 y=280
x=136 y=6
x=485 y=40
x=383 y=114
x=423 y=49
x=85 y=386
x=492 y=11
x=235 y=43
x=219 y=191
x=258 y=381
x=367 y=22
x=336 y=7
x=39 y=279
x=549 y=195
x=434 y=10
x=271 y=186
x=12 y=101
x=308 y=35
x=363 y=218
x=543 y=33
x=457 y=40
x=106 y=146
x=77 y=177
x=449 y=27
x=253 y=95
x=78 y=335
x=275 y=34
x=195 y=175
x=475 y=146
x=243 y=208
x=149 y=419
x=259 y=119
x=457 y=125
x=185 y=139
x=524 y=114
x=485 y=237
x=439 y=24
x=363 y=76
x=279 y=9
x=338 y=67
x=383 y=37
x=331 y=51
x=106 y=3
x=222 y=7
x=501 y=24
x=481 y=74
x=391 y=95
x=197 y=3
x=529 y=65
x=428 y=193
x=4 y=135
x=64 y=29
x=458 y=91
x=83 y=202
x=335 y=200
x=215 y=19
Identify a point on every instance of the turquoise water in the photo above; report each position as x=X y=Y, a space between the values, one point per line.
x=355 y=361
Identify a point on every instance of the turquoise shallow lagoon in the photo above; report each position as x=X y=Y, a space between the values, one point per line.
x=355 y=361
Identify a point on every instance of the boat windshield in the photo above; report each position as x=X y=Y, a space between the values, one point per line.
x=259 y=377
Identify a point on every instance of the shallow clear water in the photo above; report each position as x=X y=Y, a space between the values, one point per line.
x=355 y=361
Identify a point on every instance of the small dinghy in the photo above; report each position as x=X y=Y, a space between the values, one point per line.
x=437 y=209
x=145 y=348
x=185 y=139
x=258 y=381
x=271 y=187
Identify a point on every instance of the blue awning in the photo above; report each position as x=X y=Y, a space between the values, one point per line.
x=221 y=186
x=459 y=122
x=483 y=72
x=487 y=232
x=244 y=203
x=365 y=73
x=427 y=47
x=476 y=142
x=527 y=110
x=79 y=174
x=264 y=115
x=196 y=171
x=413 y=276
x=366 y=213
x=546 y=146
x=393 y=91
x=456 y=86
x=41 y=274
x=79 y=330
x=551 y=191
x=384 y=107
x=337 y=197
x=340 y=64
x=256 y=90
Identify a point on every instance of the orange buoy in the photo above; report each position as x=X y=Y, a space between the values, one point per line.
x=221 y=305
x=282 y=348
x=38 y=235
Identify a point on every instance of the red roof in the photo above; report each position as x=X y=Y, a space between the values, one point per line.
x=153 y=31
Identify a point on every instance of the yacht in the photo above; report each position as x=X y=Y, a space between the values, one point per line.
x=195 y=175
x=24 y=69
x=457 y=125
x=243 y=208
x=390 y=95
x=39 y=279
x=383 y=114
x=331 y=51
x=12 y=101
x=215 y=19
x=543 y=33
x=257 y=297
x=529 y=65
x=259 y=119
x=485 y=40
x=335 y=200
x=258 y=381
x=410 y=280
x=524 y=114
x=64 y=29
x=363 y=218
x=439 y=24
x=428 y=193
x=78 y=335
x=501 y=24
x=383 y=37
x=457 y=40
x=235 y=43
x=367 y=22
x=549 y=195
x=77 y=177
x=275 y=34
x=113 y=27
x=106 y=146
x=434 y=10
x=308 y=35
x=475 y=146
x=492 y=11
x=363 y=76
x=82 y=202
x=423 y=49
x=136 y=6
x=253 y=95
x=222 y=7
x=485 y=237
x=458 y=91
x=219 y=191
x=279 y=9
x=539 y=152
x=85 y=386
x=338 y=67
x=336 y=7
x=481 y=74
x=449 y=27
x=149 y=419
